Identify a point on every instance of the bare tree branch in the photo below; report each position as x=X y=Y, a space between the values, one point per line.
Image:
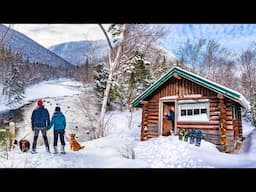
x=107 y=37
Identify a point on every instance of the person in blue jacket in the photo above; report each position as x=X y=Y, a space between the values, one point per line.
x=40 y=120
x=59 y=124
x=171 y=117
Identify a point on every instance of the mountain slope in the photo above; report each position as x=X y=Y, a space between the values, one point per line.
x=76 y=52
x=19 y=42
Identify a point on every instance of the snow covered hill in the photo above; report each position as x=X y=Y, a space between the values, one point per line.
x=21 y=43
x=76 y=52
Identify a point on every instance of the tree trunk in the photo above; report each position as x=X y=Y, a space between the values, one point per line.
x=112 y=66
x=104 y=104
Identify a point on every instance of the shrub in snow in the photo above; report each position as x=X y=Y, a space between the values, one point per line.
x=5 y=136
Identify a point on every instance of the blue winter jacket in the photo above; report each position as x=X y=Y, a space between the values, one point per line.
x=40 y=118
x=171 y=116
x=58 y=120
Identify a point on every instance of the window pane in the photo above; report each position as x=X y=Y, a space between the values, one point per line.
x=203 y=111
x=189 y=111
x=196 y=111
x=183 y=112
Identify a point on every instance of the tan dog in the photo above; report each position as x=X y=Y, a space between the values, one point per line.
x=74 y=145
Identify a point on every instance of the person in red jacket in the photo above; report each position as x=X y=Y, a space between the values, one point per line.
x=40 y=120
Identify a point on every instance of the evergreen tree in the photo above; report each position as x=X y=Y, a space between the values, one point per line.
x=14 y=85
x=134 y=78
x=100 y=76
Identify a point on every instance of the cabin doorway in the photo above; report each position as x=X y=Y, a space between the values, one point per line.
x=167 y=116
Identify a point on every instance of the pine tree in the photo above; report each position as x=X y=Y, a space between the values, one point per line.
x=14 y=85
x=134 y=78
x=100 y=76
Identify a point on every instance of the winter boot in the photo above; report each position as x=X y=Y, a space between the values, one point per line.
x=192 y=136
x=186 y=135
x=48 y=149
x=62 y=149
x=199 y=137
x=55 y=150
x=181 y=134
x=33 y=151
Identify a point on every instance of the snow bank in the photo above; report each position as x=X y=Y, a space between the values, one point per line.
x=122 y=148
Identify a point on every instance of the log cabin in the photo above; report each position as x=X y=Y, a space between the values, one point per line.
x=198 y=103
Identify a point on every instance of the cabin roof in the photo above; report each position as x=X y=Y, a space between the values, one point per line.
x=229 y=93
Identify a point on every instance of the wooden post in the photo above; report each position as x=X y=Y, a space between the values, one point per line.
x=222 y=130
x=144 y=120
x=13 y=135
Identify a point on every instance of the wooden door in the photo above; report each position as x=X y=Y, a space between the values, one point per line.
x=166 y=123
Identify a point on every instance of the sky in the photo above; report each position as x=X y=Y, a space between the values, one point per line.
x=52 y=34
x=232 y=36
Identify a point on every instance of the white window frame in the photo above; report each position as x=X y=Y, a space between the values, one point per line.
x=192 y=104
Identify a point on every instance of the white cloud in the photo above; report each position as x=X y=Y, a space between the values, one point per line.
x=51 y=34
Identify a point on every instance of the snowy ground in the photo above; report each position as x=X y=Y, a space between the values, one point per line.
x=122 y=144
x=121 y=147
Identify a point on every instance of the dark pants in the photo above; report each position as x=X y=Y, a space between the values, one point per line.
x=57 y=133
x=36 y=133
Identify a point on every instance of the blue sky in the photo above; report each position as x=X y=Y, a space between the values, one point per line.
x=233 y=36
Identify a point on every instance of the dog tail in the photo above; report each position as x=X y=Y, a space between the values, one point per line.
x=81 y=147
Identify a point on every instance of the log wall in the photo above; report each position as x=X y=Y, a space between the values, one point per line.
x=220 y=110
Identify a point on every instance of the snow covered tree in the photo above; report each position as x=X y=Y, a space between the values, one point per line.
x=134 y=77
x=14 y=85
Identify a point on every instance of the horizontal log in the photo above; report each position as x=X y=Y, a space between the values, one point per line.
x=153 y=101
x=229 y=123
x=152 y=129
x=151 y=133
x=151 y=117
x=199 y=126
x=153 y=105
x=212 y=109
x=152 y=124
x=228 y=113
x=153 y=113
x=214 y=113
x=151 y=136
x=215 y=117
x=198 y=98
x=153 y=109
x=199 y=123
x=229 y=127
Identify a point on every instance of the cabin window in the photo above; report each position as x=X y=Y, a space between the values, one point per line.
x=234 y=112
x=194 y=111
